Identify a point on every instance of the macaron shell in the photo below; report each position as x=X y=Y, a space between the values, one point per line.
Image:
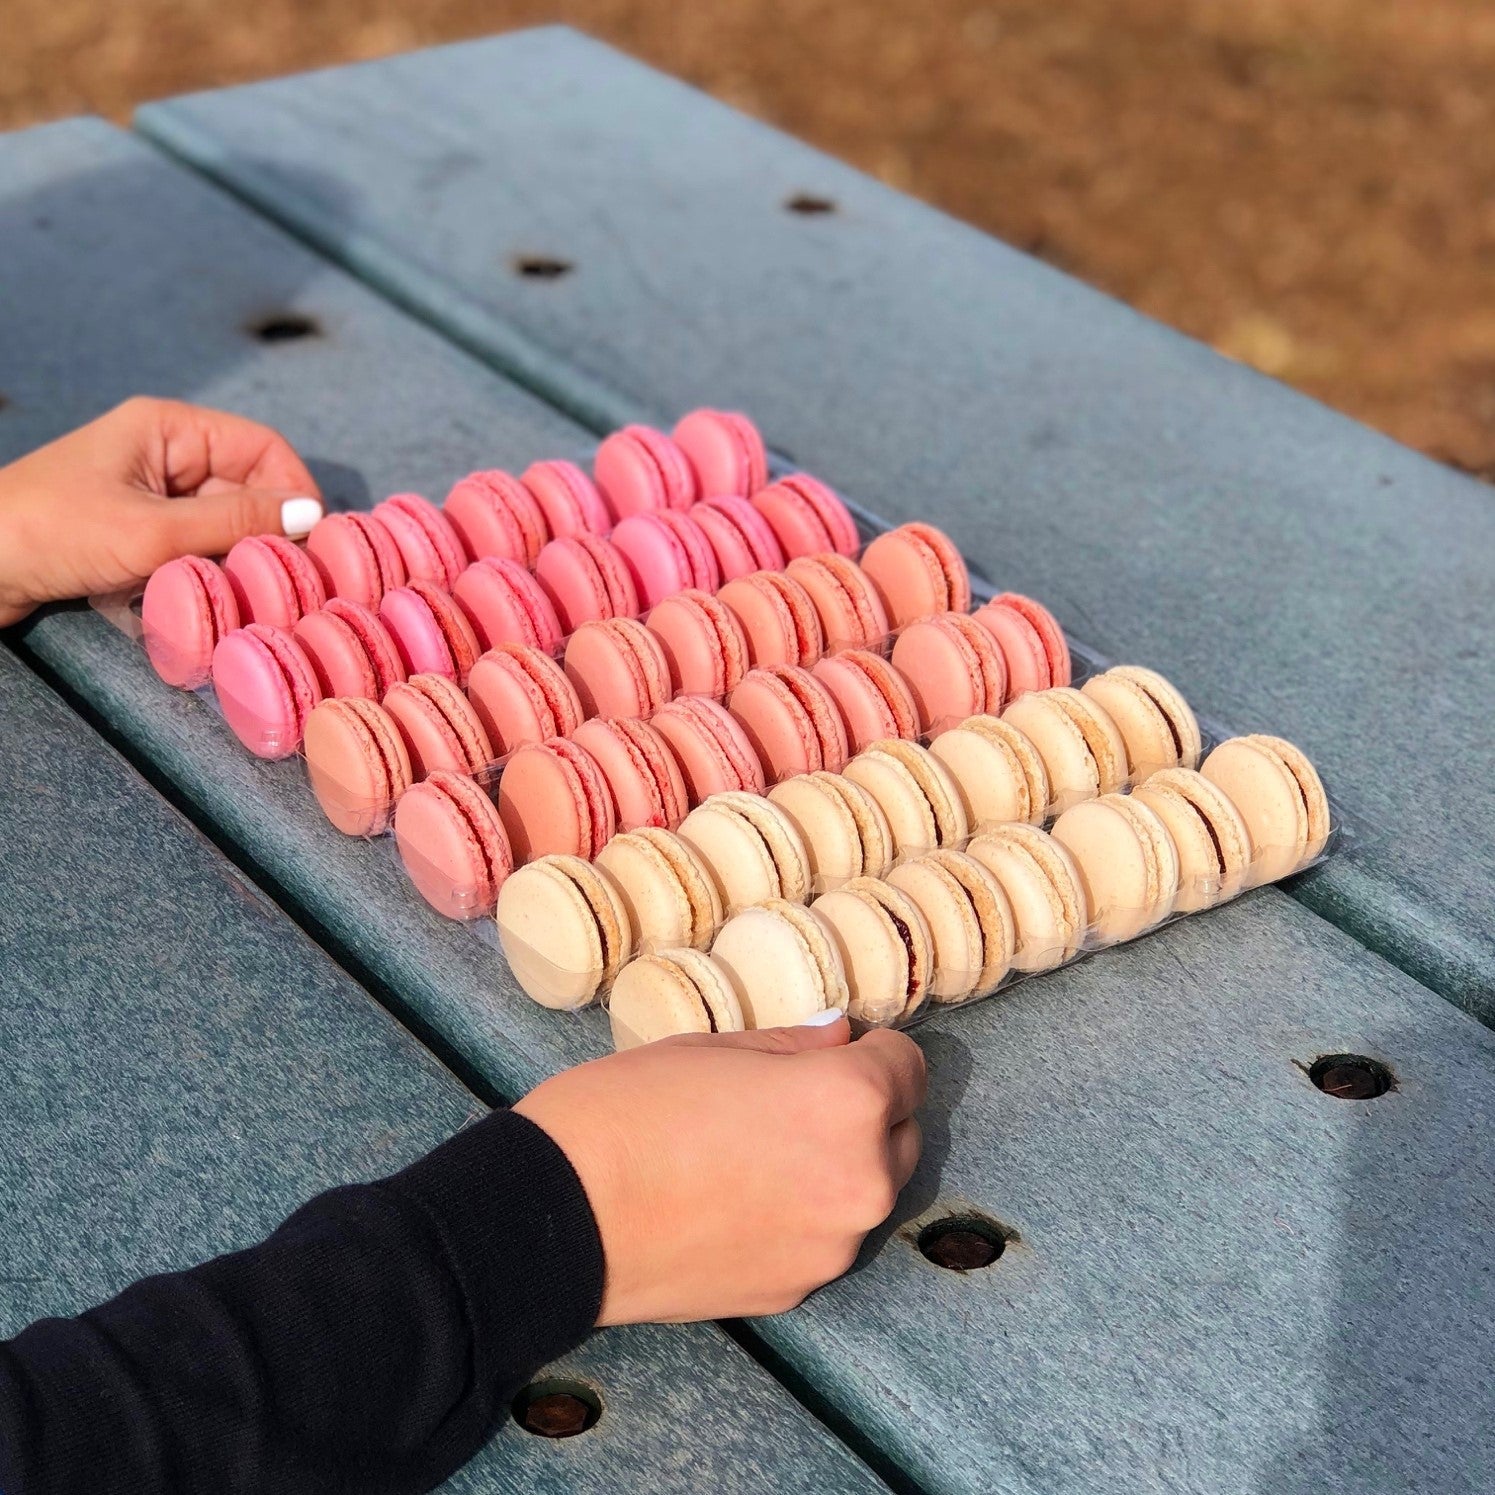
x=886 y=949
x=917 y=571
x=428 y=543
x=357 y=764
x=453 y=845
x=703 y=642
x=1186 y=742
x=873 y=697
x=1044 y=891
x=669 y=896
x=952 y=667
x=1046 y=625
x=725 y=452
x=995 y=784
x=618 y=668
x=266 y=688
x=993 y=913
x=665 y=553
x=585 y=579
x=778 y=619
x=922 y=798
x=959 y=947
x=807 y=516
x=850 y=611
x=1272 y=801
x=1213 y=844
x=439 y=726
x=356 y=557
x=1120 y=867
x=1056 y=731
x=1156 y=732
x=342 y=664
x=675 y=991
x=506 y=605
x=494 y=514
x=783 y=968
x=568 y=499
x=522 y=695
x=187 y=608
x=733 y=852
x=740 y=536
x=1021 y=645
x=553 y=800
x=843 y=828
x=430 y=632
x=713 y=751
x=639 y=470
x=273 y=581
x=648 y=788
x=781 y=836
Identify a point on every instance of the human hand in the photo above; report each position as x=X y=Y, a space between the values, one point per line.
x=733 y=1174
x=153 y=479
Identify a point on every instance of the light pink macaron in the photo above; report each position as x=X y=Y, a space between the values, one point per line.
x=266 y=688
x=453 y=844
x=618 y=668
x=273 y=581
x=807 y=516
x=640 y=470
x=953 y=667
x=666 y=552
x=703 y=641
x=356 y=557
x=792 y=720
x=494 y=513
x=874 y=698
x=430 y=630
x=351 y=651
x=713 y=750
x=505 y=604
x=521 y=694
x=554 y=800
x=740 y=536
x=778 y=618
x=187 y=608
x=648 y=787
x=1030 y=639
x=428 y=544
x=439 y=726
x=917 y=570
x=851 y=611
x=568 y=498
x=725 y=451
x=586 y=578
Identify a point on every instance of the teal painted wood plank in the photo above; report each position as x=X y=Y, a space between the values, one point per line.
x=1202 y=1300
x=1293 y=571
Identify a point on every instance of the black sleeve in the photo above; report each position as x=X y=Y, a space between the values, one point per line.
x=371 y=1344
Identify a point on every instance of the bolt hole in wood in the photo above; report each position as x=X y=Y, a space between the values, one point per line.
x=809 y=205
x=542 y=267
x=285 y=327
x=557 y=1409
x=1351 y=1076
x=962 y=1243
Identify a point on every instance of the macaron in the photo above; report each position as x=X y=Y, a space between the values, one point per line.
x=640 y=471
x=430 y=631
x=1280 y=797
x=1025 y=669
x=670 y=896
x=970 y=921
x=1044 y=888
x=1082 y=749
x=850 y=611
x=553 y=799
x=725 y=451
x=670 y=992
x=618 y=668
x=782 y=963
x=563 y=929
x=266 y=688
x=641 y=770
x=844 y=830
x=427 y=542
x=273 y=581
x=586 y=578
x=791 y=719
x=1128 y=864
x=350 y=649
x=666 y=552
x=703 y=642
x=356 y=557
x=440 y=727
x=358 y=764
x=917 y=570
x=873 y=697
x=521 y=694
x=710 y=745
x=740 y=537
x=1156 y=723
x=187 y=608
x=778 y=618
x=568 y=499
x=453 y=845
x=916 y=793
x=1212 y=841
x=752 y=849
x=494 y=514
x=807 y=516
x=506 y=605
x=886 y=949
x=998 y=772
x=953 y=668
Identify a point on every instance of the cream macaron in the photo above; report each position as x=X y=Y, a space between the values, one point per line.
x=672 y=991
x=563 y=929
x=1127 y=862
x=1044 y=889
x=844 y=830
x=970 y=919
x=1082 y=749
x=1281 y=798
x=1213 y=844
x=751 y=848
x=1157 y=725
x=670 y=897
x=886 y=949
x=915 y=791
x=783 y=964
x=998 y=771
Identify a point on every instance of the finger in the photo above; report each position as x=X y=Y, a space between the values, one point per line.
x=200 y=446
x=212 y=523
x=905 y=1143
x=800 y=1040
x=896 y=1063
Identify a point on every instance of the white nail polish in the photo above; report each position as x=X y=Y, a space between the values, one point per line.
x=297 y=515
x=823 y=1019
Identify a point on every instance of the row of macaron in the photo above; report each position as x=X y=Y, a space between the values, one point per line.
x=948 y=922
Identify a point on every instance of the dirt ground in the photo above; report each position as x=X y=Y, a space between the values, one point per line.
x=1307 y=184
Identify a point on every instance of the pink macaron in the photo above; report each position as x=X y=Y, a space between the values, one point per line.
x=273 y=581
x=874 y=698
x=807 y=516
x=453 y=845
x=709 y=743
x=999 y=617
x=266 y=687
x=648 y=787
x=726 y=452
x=850 y=610
x=640 y=470
x=666 y=552
x=554 y=800
x=430 y=631
x=778 y=618
x=427 y=541
x=439 y=726
x=703 y=641
x=522 y=695
x=506 y=605
x=792 y=721
x=187 y=608
x=568 y=498
x=493 y=513
x=917 y=570
x=618 y=668
x=356 y=557
x=351 y=651
x=741 y=538
x=953 y=667
x=586 y=578
x=358 y=764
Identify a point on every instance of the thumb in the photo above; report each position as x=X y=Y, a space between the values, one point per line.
x=800 y=1040
x=212 y=523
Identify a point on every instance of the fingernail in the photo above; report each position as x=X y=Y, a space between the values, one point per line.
x=824 y=1019
x=297 y=515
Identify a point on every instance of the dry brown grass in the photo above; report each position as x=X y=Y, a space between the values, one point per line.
x=1307 y=184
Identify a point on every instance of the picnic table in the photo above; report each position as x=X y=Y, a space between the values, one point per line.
x=1216 y=1276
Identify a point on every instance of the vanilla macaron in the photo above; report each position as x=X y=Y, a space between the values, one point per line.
x=783 y=964
x=1044 y=889
x=1082 y=749
x=751 y=848
x=1281 y=798
x=970 y=919
x=886 y=949
x=998 y=771
x=1157 y=725
x=1213 y=844
x=563 y=929
x=844 y=830
x=1127 y=862
x=915 y=791
x=670 y=897
x=672 y=991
